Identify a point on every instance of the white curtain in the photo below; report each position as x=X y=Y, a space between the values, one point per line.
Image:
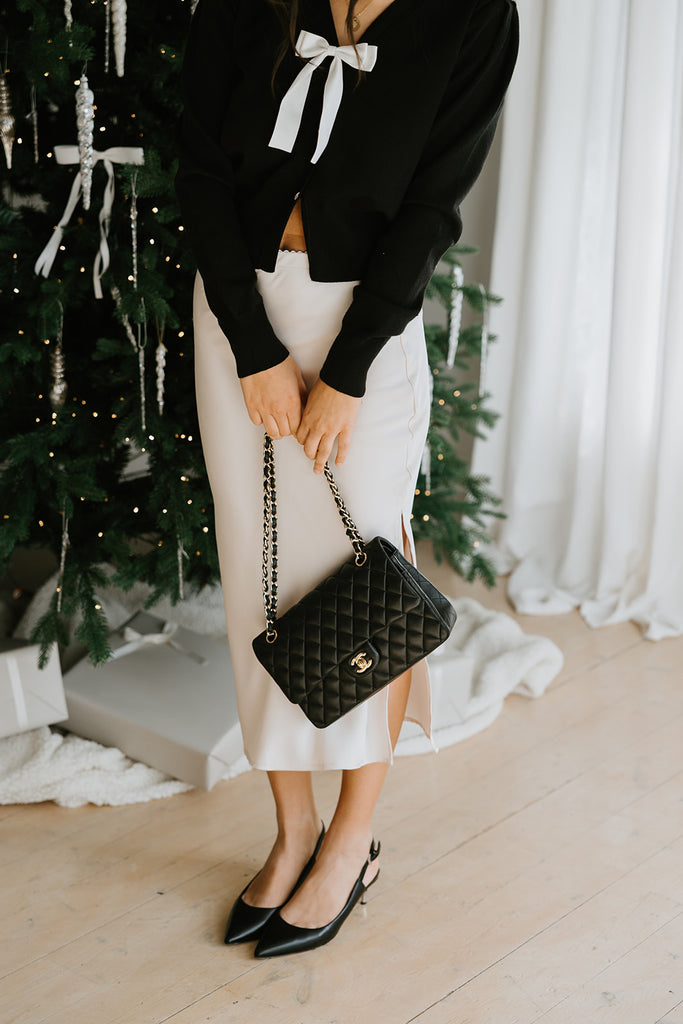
x=588 y=369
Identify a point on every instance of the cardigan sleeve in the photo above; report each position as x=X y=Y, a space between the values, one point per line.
x=428 y=221
x=205 y=189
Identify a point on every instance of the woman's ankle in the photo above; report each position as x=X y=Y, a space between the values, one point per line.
x=298 y=830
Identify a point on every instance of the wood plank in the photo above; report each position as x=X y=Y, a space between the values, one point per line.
x=639 y=987
x=674 y=1016
x=554 y=831
x=199 y=906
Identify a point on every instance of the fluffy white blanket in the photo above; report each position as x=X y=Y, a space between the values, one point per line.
x=45 y=765
x=487 y=657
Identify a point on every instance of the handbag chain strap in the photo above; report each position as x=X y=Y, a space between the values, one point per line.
x=269 y=569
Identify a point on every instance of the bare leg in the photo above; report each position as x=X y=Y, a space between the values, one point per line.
x=299 y=826
x=348 y=838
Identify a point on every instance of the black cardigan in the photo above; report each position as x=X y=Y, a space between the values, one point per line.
x=380 y=206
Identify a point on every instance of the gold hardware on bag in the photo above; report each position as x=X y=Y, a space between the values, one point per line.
x=361 y=662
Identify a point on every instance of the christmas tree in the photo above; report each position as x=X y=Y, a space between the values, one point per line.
x=100 y=457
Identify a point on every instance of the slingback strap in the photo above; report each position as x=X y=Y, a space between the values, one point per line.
x=269 y=564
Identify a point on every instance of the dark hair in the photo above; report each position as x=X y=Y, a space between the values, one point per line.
x=288 y=13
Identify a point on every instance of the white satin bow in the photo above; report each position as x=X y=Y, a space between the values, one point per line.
x=135 y=641
x=315 y=49
x=70 y=155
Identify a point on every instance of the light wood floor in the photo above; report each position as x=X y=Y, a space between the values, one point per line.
x=533 y=873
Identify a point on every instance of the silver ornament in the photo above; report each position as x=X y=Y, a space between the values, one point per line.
x=67 y=15
x=181 y=582
x=107 y=35
x=484 y=359
x=134 y=229
x=85 y=117
x=118 y=14
x=62 y=558
x=59 y=386
x=6 y=120
x=33 y=118
x=456 y=314
x=161 y=375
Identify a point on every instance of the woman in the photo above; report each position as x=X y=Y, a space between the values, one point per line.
x=325 y=147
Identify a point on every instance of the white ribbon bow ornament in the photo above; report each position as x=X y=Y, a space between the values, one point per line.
x=315 y=49
x=70 y=155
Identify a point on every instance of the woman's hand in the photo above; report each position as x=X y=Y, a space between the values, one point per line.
x=275 y=398
x=328 y=414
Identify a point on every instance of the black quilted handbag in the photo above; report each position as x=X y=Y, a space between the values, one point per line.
x=357 y=630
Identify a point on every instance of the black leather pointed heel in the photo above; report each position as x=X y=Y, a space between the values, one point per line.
x=280 y=938
x=246 y=922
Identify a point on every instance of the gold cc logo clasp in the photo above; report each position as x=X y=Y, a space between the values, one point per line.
x=361 y=662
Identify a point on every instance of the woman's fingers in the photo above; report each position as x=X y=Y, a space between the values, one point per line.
x=343 y=445
x=275 y=397
x=323 y=453
x=271 y=427
x=329 y=415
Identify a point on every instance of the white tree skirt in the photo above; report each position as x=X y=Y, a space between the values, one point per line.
x=487 y=657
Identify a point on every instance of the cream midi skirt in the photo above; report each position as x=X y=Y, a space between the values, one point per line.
x=377 y=482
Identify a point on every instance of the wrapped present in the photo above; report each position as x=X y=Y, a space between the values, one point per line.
x=29 y=696
x=166 y=697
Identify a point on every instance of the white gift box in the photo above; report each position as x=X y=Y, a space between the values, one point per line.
x=29 y=696
x=166 y=698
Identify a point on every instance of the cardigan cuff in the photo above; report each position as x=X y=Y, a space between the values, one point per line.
x=367 y=326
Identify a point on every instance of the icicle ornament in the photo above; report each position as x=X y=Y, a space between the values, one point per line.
x=134 y=229
x=484 y=360
x=118 y=14
x=67 y=15
x=85 y=117
x=58 y=388
x=33 y=118
x=107 y=35
x=7 y=122
x=62 y=558
x=161 y=375
x=456 y=315
x=181 y=581
x=142 y=344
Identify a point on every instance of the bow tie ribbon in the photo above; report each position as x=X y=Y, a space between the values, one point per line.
x=70 y=155
x=315 y=49
x=135 y=641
